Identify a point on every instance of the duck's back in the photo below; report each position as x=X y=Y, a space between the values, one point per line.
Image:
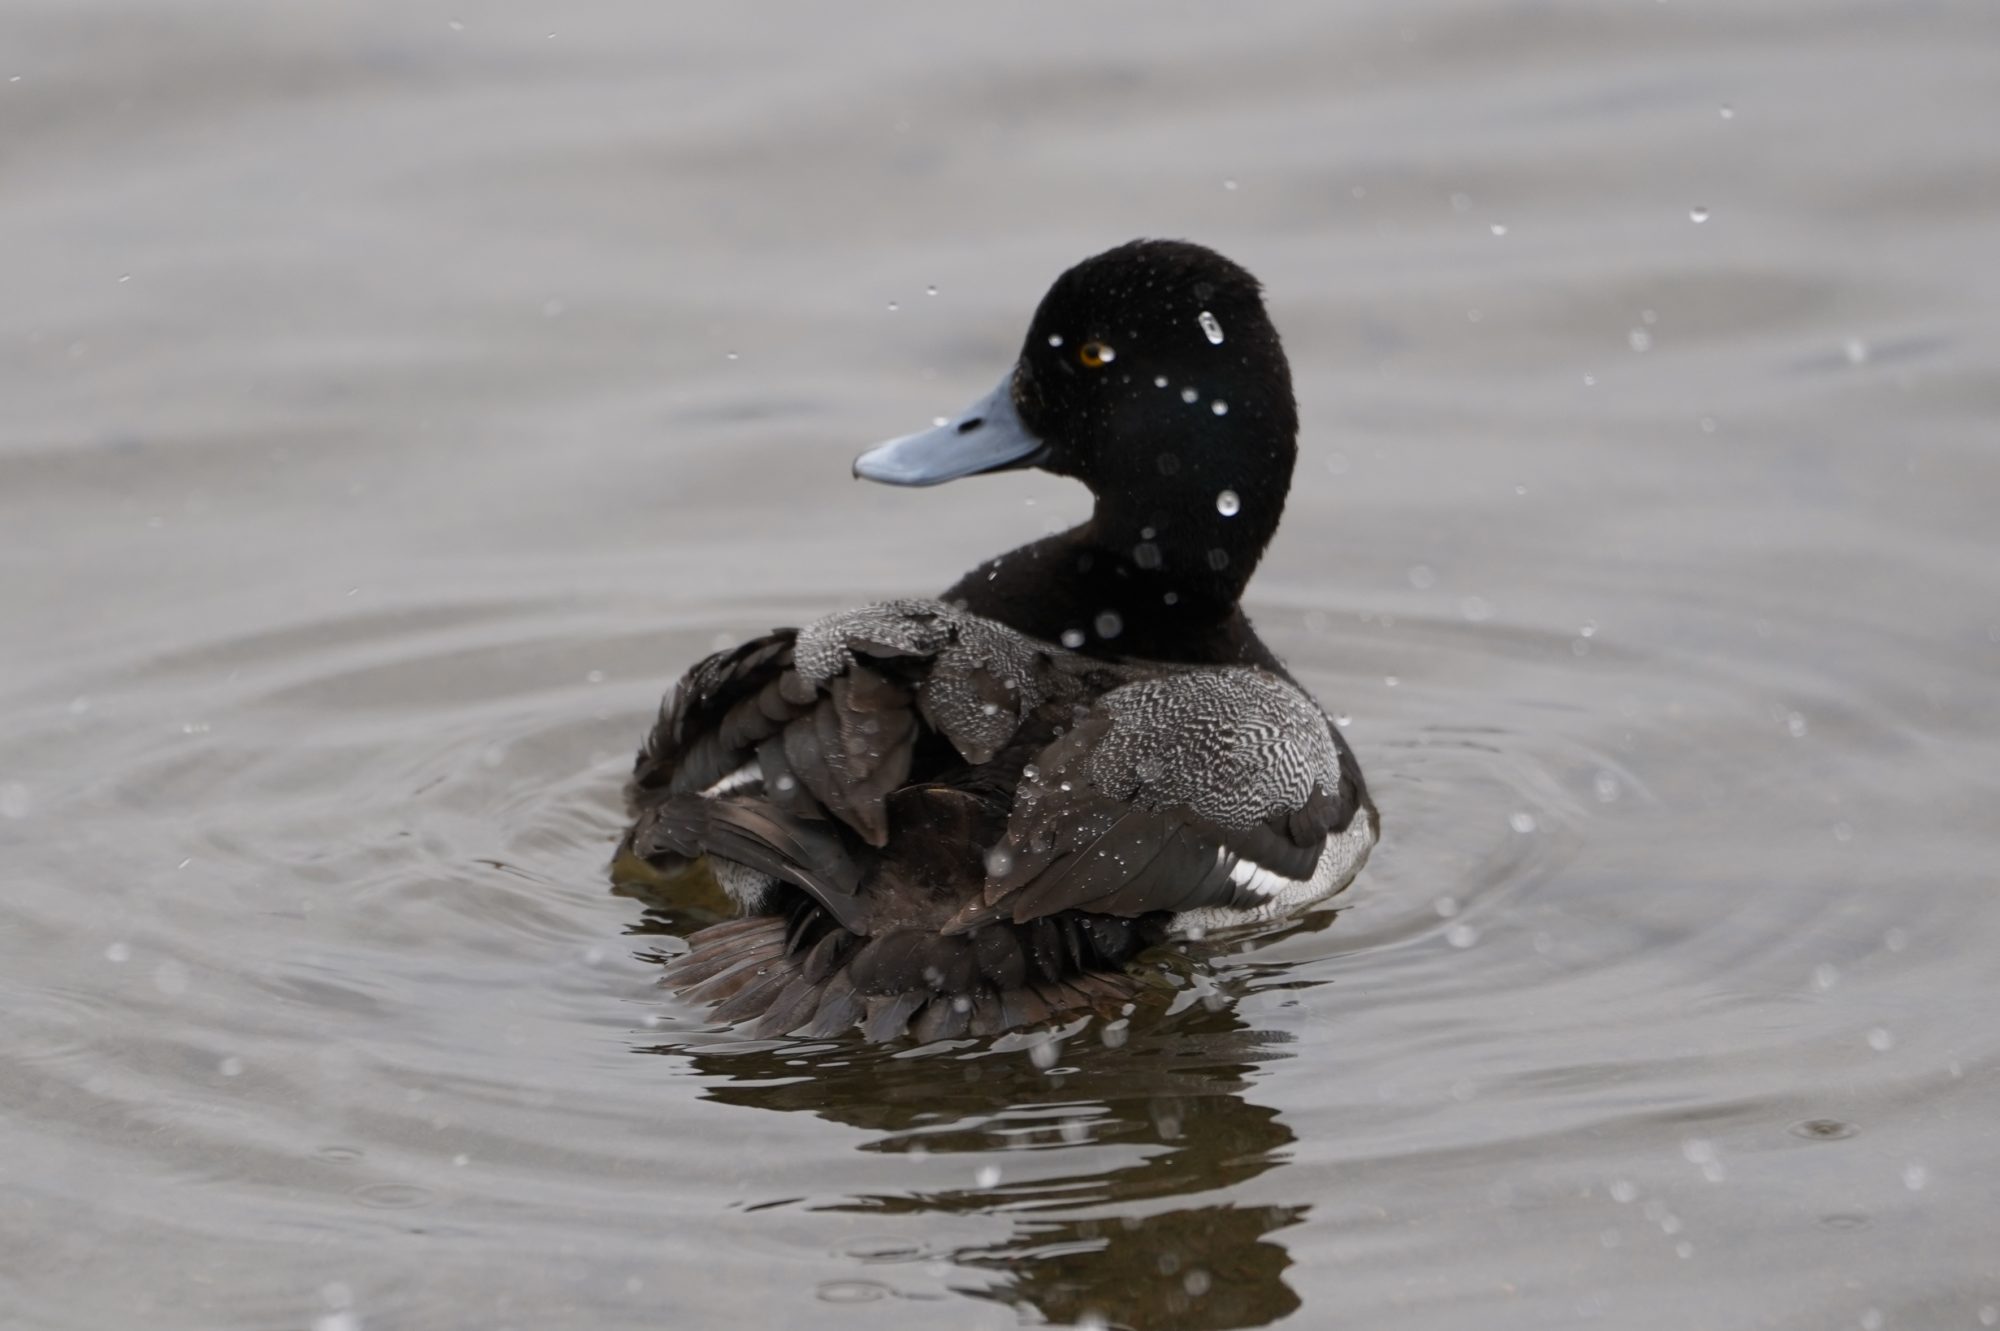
x=937 y=824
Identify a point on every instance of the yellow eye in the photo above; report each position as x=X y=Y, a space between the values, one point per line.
x=1096 y=355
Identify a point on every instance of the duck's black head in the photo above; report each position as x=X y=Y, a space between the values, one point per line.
x=1152 y=374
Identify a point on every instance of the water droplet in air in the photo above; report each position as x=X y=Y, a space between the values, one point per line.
x=930 y=291
x=1219 y=407
x=999 y=860
x=1227 y=504
x=1881 y=1041
x=1108 y=624
x=1229 y=184
x=1189 y=395
x=1461 y=935
x=1697 y=214
x=1795 y=725
x=1726 y=111
x=1072 y=638
x=1211 y=327
x=118 y=953
x=231 y=1066
x=1640 y=339
x=893 y=307
x=1421 y=577
x=1915 y=1176
x=1498 y=228
x=1159 y=381
x=1856 y=349
x=1606 y=787
x=1521 y=821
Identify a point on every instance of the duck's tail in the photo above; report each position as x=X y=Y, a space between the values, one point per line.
x=805 y=975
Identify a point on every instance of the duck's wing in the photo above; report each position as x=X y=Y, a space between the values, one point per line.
x=827 y=720
x=1223 y=790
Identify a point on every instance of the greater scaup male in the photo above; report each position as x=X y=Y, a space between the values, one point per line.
x=959 y=816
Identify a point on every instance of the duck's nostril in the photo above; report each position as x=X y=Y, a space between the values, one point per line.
x=970 y=423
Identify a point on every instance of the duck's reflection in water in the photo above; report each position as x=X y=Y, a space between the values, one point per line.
x=1114 y=1164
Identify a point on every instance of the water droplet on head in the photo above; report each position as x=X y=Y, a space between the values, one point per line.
x=1189 y=395
x=1219 y=407
x=1697 y=214
x=1055 y=339
x=1227 y=504
x=1211 y=327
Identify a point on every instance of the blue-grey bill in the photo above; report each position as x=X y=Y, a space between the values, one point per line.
x=986 y=436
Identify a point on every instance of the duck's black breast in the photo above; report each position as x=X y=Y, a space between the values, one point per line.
x=938 y=824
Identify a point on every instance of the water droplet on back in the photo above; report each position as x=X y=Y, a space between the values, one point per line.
x=1211 y=327
x=1227 y=504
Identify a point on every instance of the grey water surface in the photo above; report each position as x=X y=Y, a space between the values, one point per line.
x=396 y=394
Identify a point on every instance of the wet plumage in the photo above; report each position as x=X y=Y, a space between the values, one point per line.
x=960 y=816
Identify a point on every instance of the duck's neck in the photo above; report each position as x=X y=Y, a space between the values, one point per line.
x=1160 y=584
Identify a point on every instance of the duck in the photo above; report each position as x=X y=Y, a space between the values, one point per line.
x=958 y=816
